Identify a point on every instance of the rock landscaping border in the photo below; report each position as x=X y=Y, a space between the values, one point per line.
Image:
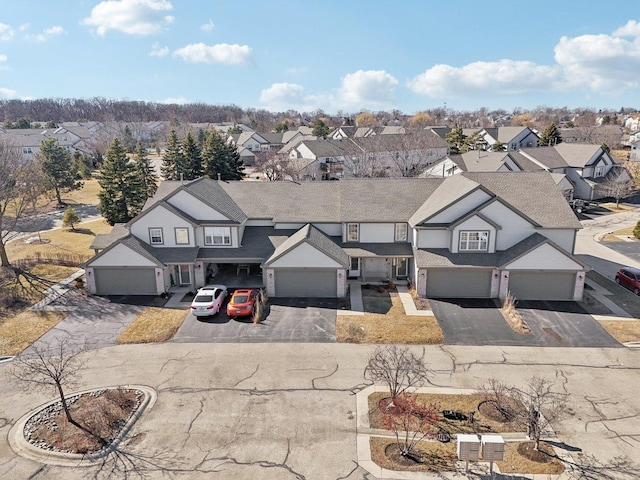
x=22 y=447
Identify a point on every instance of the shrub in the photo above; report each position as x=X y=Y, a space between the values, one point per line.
x=636 y=230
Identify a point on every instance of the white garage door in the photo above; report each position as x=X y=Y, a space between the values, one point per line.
x=454 y=283
x=312 y=283
x=125 y=281
x=542 y=285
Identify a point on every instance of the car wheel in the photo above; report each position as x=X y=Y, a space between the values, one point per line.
x=579 y=210
x=636 y=291
x=617 y=280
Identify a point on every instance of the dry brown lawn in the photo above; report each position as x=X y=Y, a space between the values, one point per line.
x=436 y=456
x=612 y=206
x=623 y=330
x=384 y=321
x=61 y=241
x=153 y=325
x=18 y=331
x=613 y=237
x=459 y=403
x=514 y=462
x=87 y=195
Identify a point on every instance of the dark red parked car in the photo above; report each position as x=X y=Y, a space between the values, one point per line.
x=629 y=277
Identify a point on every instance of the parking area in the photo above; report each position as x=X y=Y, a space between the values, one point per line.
x=300 y=320
x=553 y=324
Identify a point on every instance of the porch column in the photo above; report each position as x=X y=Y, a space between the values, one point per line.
x=578 y=290
x=91 y=280
x=504 y=284
x=341 y=282
x=495 y=283
x=271 y=282
x=159 y=273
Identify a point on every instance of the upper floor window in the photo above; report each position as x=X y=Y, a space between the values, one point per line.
x=155 y=236
x=217 y=235
x=599 y=171
x=353 y=232
x=182 y=236
x=401 y=232
x=474 y=241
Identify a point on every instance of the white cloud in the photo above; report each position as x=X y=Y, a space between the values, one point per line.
x=368 y=88
x=297 y=70
x=133 y=17
x=207 y=27
x=24 y=27
x=631 y=29
x=158 y=51
x=220 y=53
x=7 y=93
x=607 y=64
x=175 y=101
x=505 y=77
x=285 y=96
x=601 y=63
x=3 y=58
x=47 y=34
x=6 y=32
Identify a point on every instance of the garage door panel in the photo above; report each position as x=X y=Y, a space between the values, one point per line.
x=125 y=281
x=306 y=283
x=454 y=283
x=542 y=285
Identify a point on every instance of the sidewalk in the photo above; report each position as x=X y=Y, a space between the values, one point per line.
x=55 y=292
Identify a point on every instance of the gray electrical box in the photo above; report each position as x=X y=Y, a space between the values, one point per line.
x=468 y=447
x=492 y=447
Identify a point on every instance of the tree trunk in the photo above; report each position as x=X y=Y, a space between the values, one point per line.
x=65 y=407
x=57 y=189
x=4 y=259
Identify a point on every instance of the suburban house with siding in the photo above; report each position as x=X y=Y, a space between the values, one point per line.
x=468 y=235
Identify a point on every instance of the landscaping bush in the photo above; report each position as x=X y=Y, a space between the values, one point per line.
x=636 y=230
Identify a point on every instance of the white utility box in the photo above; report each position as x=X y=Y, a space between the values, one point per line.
x=468 y=447
x=492 y=448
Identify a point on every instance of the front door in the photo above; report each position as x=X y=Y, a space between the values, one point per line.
x=184 y=273
x=354 y=268
x=401 y=268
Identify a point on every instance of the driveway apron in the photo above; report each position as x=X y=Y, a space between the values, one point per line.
x=553 y=324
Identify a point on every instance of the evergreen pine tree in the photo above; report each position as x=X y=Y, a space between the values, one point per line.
x=122 y=195
x=457 y=141
x=550 y=136
x=192 y=158
x=221 y=158
x=172 y=160
x=55 y=163
x=71 y=218
x=146 y=171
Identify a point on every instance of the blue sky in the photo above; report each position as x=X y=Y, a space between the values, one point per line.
x=330 y=55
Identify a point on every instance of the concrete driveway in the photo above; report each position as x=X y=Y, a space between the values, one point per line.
x=553 y=324
x=287 y=320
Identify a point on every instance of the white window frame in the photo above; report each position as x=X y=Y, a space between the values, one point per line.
x=400 y=235
x=156 y=232
x=598 y=171
x=181 y=229
x=350 y=234
x=474 y=241
x=211 y=234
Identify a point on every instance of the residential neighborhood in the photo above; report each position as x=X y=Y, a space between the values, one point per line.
x=302 y=241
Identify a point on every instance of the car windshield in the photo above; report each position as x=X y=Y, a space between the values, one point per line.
x=240 y=299
x=204 y=299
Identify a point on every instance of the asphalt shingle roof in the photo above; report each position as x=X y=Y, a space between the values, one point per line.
x=103 y=240
x=311 y=235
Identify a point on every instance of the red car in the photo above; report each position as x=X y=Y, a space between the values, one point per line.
x=242 y=303
x=629 y=277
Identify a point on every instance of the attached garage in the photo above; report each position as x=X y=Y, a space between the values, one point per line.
x=125 y=280
x=547 y=285
x=458 y=283
x=306 y=283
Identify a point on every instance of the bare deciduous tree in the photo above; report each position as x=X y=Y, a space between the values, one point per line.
x=533 y=407
x=411 y=422
x=53 y=366
x=618 y=184
x=397 y=367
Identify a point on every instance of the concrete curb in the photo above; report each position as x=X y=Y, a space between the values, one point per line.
x=23 y=448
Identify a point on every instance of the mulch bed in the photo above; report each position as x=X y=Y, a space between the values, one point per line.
x=102 y=414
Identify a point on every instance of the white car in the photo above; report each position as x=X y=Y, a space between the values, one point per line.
x=208 y=300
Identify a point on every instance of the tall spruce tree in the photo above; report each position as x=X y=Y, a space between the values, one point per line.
x=146 y=171
x=122 y=195
x=457 y=141
x=550 y=136
x=221 y=158
x=192 y=158
x=55 y=164
x=172 y=160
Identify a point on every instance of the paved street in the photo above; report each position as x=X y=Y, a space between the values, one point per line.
x=287 y=411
